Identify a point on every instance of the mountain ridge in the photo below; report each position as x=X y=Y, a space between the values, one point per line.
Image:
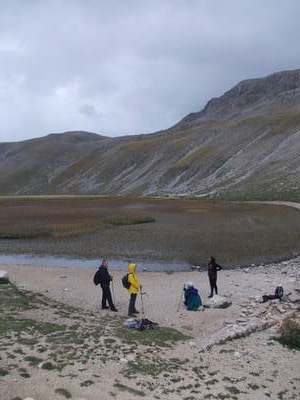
x=243 y=144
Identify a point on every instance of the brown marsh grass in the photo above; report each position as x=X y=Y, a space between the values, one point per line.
x=187 y=230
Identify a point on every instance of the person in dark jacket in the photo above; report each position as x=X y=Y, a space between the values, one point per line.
x=105 y=278
x=213 y=269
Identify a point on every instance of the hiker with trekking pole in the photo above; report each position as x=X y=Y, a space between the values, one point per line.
x=132 y=284
x=103 y=278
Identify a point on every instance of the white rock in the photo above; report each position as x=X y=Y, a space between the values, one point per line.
x=218 y=302
x=192 y=344
x=237 y=354
x=28 y=398
x=3 y=276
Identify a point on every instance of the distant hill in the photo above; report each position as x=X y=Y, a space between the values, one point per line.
x=242 y=145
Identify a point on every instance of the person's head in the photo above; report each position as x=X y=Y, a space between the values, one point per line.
x=104 y=263
x=212 y=260
x=131 y=268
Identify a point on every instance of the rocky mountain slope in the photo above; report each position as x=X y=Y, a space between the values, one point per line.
x=242 y=145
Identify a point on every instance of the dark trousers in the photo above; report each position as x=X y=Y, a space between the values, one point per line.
x=213 y=284
x=106 y=296
x=131 y=308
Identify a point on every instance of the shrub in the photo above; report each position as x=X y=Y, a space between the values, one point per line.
x=290 y=333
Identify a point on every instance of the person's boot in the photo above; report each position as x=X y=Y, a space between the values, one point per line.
x=105 y=307
x=113 y=308
x=136 y=312
x=210 y=296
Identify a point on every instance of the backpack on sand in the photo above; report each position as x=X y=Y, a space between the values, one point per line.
x=279 y=292
x=125 y=282
x=97 y=278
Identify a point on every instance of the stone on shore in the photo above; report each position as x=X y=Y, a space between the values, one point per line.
x=218 y=302
x=3 y=276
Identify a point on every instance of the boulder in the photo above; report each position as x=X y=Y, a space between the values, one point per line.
x=218 y=302
x=3 y=276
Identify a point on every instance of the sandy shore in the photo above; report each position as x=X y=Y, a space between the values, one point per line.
x=247 y=361
x=163 y=292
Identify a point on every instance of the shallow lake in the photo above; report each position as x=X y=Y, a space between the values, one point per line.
x=66 y=262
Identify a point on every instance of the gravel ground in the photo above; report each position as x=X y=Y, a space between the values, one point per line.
x=230 y=354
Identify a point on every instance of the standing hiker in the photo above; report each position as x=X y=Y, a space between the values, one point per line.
x=213 y=269
x=104 y=279
x=133 y=289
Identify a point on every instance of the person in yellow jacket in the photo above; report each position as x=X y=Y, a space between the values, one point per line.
x=133 y=290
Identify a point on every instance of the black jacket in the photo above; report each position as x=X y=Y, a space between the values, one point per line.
x=213 y=268
x=104 y=276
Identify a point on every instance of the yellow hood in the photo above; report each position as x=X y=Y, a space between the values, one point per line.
x=132 y=268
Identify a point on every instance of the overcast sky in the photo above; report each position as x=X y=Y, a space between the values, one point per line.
x=119 y=67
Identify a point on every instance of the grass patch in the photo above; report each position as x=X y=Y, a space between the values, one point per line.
x=152 y=368
x=9 y=325
x=48 y=365
x=63 y=392
x=87 y=383
x=290 y=333
x=161 y=337
x=33 y=361
x=119 y=221
x=12 y=299
x=125 y=388
x=3 y=372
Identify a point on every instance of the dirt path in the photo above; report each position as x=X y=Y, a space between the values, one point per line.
x=280 y=203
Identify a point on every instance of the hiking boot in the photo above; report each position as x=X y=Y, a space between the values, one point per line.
x=114 y=309
x=105 y=308
x=136 y=312
x=210 y=296
x=131 y=315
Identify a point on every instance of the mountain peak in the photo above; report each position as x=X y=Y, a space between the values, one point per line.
x=245 y=96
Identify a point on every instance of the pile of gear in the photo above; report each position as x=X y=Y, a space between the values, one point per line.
x=141 y=325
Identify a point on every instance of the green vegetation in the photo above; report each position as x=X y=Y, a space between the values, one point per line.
x=63 y=392
x=87 y=383
x=129 y=220
x=195 y=156
x=290 y=333
x=153 y=366
x=48 y=365
x=161 y=337
x=33 y=361
x=3 y=372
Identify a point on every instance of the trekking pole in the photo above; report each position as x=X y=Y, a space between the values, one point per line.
x=142 y=303
x=113 y=292
x=179 y=303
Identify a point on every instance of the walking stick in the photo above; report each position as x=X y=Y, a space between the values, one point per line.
x=142 y=303
x=179 y=303
x=113 y=292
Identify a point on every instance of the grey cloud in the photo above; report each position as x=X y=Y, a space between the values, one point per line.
x=143 y=64
x=89 y=110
